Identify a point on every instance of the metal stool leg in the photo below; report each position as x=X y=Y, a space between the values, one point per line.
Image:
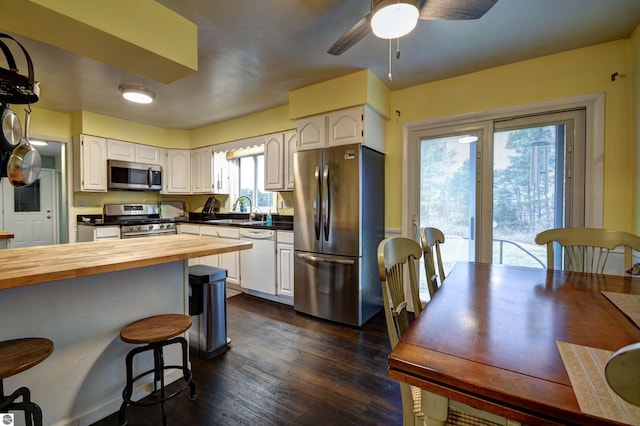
x=32 y=412
x=187 y=374
x=159 y=390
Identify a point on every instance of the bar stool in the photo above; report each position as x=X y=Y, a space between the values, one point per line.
x=16 y=356
x=156 y=332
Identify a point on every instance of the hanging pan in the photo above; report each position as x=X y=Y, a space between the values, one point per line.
x=25 y=162
x=11 y=129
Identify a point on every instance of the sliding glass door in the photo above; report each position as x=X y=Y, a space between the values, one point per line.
x=491 y=186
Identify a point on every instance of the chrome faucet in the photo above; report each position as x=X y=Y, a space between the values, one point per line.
x=235 y=204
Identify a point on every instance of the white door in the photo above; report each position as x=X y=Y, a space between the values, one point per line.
x=29 y=211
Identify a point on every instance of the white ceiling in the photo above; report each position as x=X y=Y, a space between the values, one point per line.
x=252 y=53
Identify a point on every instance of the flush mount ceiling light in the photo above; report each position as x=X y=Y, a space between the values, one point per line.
x=394 y=18
x=137 y=94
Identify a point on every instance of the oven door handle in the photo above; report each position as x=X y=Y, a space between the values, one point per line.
x=146 y=234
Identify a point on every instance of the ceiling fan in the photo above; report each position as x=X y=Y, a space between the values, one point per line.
x=405 y=11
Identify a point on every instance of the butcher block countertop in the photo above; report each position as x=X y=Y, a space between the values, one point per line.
x=41 y=264
x=4 y=235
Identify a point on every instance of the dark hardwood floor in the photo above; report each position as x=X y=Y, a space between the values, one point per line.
x=286 y=368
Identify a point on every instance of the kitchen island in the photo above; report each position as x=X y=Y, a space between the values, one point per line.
x=80 y=296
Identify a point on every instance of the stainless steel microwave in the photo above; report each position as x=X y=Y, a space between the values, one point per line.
x=136 y=176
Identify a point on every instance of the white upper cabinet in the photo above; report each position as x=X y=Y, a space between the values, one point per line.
x=312 y=132
x=133 y=152
x=120 y=150
x=278 y=161
x=274 y=162
x=148 y=154
x=176 y=171
x=359 y=125
x=220 y=173
x=202 y=170
x=90 y=163
x=290 y=148
x=346 y=127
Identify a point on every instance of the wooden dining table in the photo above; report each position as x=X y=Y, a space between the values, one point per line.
x=488 y=339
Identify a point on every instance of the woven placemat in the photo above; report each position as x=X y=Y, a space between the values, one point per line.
x=585 y=366
x=629 y=304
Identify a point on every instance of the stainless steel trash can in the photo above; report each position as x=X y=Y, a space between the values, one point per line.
x=208 y=310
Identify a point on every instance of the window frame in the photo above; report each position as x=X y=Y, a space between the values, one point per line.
x=594 y=173
x=235 y=190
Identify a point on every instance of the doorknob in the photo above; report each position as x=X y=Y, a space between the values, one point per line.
x=48 y=211
x=48 y=217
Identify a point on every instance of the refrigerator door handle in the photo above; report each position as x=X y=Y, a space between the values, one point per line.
x=326 y=202
x=325 y=259
x=316 y=204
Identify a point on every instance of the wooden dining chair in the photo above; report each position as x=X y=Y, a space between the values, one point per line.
x=397 y=258
x=431 y=239
x=588 y=249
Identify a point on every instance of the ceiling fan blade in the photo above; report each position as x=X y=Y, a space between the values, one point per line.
x=352 y=36
x=455 y=9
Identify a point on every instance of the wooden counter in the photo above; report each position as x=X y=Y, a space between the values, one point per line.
x=36 y=265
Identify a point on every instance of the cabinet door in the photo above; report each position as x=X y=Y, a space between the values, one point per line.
x=214 y=259
x=220 y=173
x=228 y=261
x=201 y=170
x=196 y=172
x=92 y=164
x=177 y=172
x=311 y=132
x=120 y=150
x=285 y=269
x=346 y=126
x=274 y=162
x=290 y=144
x=147 y=154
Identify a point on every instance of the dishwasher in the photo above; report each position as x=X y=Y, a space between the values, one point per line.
x=258 y=265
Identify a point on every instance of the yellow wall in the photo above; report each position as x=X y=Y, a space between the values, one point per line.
x=261 y=123
x=354 y=89
x=635 y=80
x=46 y=123
x=572 y=73
x=115 y=128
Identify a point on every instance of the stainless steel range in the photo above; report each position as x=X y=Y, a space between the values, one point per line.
x=138 y=220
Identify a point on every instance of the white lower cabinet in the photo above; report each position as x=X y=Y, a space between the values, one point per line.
x=228 y=261
x=97 y=233
x=189 y=228
x=284 y=258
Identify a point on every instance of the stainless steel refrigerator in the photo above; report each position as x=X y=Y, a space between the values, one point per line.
x=338 y=224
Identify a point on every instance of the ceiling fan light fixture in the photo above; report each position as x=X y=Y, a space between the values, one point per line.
x=394 y=18
x=137 y=94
